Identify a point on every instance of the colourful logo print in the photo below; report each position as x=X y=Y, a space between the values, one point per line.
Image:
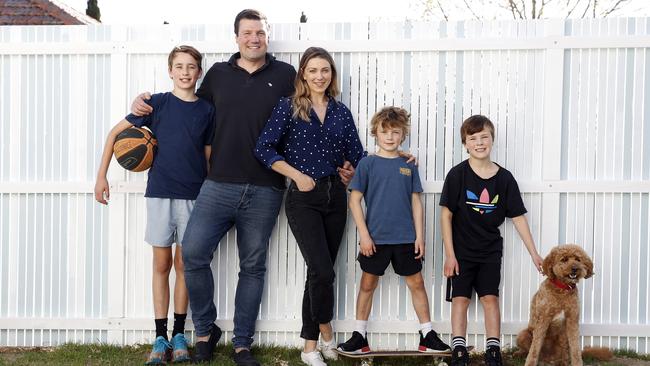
x=482 y=204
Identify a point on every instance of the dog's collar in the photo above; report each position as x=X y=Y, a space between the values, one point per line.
x=563 y=286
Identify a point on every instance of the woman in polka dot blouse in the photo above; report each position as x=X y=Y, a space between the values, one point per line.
x=307 y=139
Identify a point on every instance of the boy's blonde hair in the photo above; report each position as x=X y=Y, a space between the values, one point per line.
x=474 y=124
x=196 y=55
x=391 y=117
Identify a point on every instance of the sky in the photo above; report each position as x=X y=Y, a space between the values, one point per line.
x=317 y=11
x=215 y=11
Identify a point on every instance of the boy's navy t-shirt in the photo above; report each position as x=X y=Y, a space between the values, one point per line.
x=479 y=207
x=182 y=129
x=387 y=186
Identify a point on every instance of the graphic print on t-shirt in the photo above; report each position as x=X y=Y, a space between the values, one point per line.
x=481 y=204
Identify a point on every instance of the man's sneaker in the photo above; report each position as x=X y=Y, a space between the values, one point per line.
x=357 y=344
x=244 y=358
x=432 y=343
x=203 y=350
x=179 y=348
x=459 y=356
x=160 y=353
x=312 y=358
x=327 y=350
x=493 y=356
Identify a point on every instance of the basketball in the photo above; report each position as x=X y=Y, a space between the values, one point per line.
x=135 y=148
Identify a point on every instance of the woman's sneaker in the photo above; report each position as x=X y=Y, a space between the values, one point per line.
x=432 y=343
x=161 y=352
x=312 y=358
x=179 y=349
x=357 y=344
x=459 y=356
x=327 y=350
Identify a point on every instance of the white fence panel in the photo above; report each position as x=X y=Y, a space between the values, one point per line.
x=570 y=100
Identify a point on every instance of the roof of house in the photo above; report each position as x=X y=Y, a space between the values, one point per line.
x=40 y=12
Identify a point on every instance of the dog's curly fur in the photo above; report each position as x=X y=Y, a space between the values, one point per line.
x=552 y=335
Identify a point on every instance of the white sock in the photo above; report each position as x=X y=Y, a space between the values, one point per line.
x=425 y=328
x=361 y=326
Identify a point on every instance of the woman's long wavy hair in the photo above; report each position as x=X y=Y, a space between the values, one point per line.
x=301 y=102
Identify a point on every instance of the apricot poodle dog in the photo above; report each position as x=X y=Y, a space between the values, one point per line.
x=552 y=335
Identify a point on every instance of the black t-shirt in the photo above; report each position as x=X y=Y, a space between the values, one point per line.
x=243 y=103
x=479 y=207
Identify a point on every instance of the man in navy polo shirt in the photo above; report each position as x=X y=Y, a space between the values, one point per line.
x=239 y=190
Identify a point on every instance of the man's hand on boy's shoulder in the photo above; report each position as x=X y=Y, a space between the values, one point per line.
x=139 y=107
x=410 y=158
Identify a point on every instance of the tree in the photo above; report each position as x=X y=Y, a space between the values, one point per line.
x=92 y=10
x=527 y=9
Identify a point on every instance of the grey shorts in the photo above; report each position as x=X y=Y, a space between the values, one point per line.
x=166 y=220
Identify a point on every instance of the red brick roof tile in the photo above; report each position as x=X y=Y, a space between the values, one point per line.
x=40 y=12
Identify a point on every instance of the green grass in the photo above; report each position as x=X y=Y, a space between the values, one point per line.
x=631 y=354
x=94 y=354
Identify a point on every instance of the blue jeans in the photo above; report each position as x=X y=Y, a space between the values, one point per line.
x=253 y=210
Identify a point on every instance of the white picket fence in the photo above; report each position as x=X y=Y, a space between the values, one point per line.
x=571 y=103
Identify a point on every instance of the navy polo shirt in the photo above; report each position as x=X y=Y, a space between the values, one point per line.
x=182 y=130
x=244 y=102
x=312 y=147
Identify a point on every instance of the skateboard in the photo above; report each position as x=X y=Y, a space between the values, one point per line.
x=367 y=359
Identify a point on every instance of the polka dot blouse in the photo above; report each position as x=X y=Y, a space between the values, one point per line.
x=313 y=148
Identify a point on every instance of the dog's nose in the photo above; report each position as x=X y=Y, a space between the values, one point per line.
x=574 y=269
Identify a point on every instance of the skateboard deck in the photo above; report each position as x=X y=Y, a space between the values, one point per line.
x=383 y=353
x=367 y=358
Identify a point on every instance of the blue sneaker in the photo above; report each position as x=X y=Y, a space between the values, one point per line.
x=161 y=352
x=179 y=348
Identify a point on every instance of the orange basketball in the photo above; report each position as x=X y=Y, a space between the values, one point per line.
x=135 y=149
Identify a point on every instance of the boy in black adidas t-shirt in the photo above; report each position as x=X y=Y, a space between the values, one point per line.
x=476 y=198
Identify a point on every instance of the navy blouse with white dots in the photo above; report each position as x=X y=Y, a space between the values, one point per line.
x=313 y=148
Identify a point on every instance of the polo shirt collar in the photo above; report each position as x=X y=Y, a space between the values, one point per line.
x=267 y=61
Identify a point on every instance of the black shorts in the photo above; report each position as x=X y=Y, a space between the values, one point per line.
x=401 y=255
x=482 y=277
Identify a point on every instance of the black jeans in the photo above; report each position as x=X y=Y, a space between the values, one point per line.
x=317 y=219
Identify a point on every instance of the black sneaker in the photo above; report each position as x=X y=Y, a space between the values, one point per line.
x=432 y=343
x=459 y=356
x=203 y=350
x=356 y=345
x=244 y=358
x=493 y=356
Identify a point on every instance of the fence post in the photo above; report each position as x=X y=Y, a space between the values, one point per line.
x=552 y=130
x=117 y=208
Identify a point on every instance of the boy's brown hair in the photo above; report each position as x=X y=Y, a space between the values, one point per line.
x=474 y=124
x=185 y=49
x=391 y=117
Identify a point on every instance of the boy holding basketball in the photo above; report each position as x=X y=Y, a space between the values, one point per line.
x=392 y=230
x=476 y=198
x=183 y=125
